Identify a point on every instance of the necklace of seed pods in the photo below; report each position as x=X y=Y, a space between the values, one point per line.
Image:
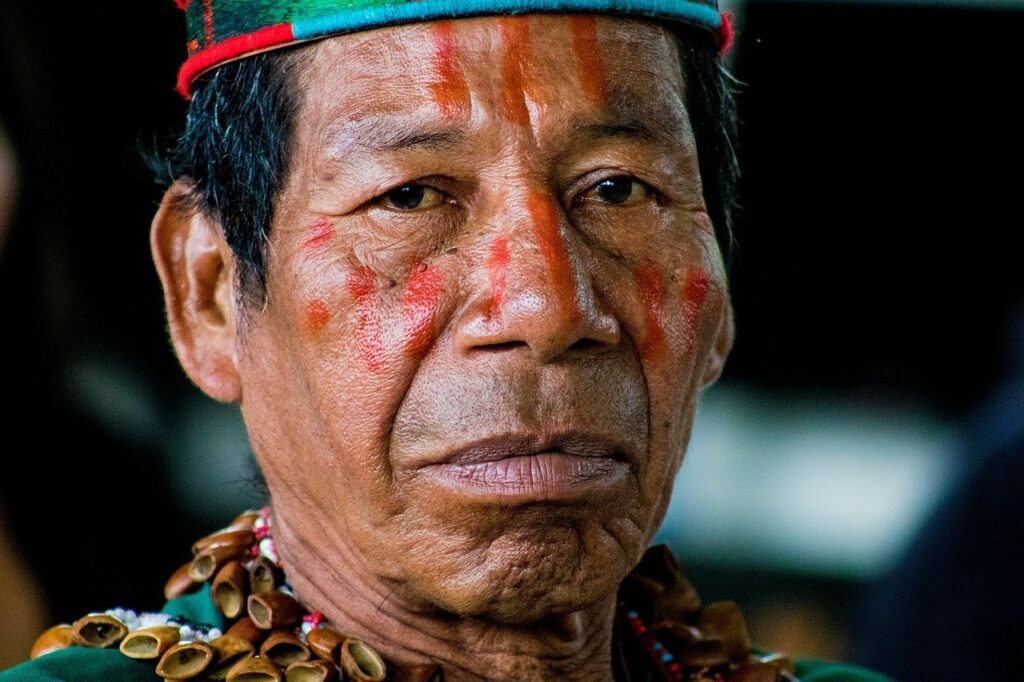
x=272 y=637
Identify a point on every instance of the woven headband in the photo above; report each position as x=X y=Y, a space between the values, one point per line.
x=220 y=31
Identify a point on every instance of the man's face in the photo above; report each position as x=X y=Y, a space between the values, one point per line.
x=494 y=295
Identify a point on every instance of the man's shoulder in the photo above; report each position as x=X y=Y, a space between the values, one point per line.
x=80 y=665
x=825 y=671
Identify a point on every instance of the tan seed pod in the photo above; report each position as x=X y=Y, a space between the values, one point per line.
x=230 y=588
x=230 y=650
x=284 y=648
x=150 y=643
x=756 y=672
x=312 y=671
x=724 y=620
x=360 y=662
x=243 y=539
x=185 y=661
x=207 y=562
x=180 y=583
x=263 y=576
x=420 y=673
x=255 y=670
x=245 y=629
x=244 y=521
x=56 y=638
x=326 y=644
x=704 y=653
x=98 y=631
x=273 y=611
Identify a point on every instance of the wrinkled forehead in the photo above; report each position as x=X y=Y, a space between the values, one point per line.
x=468 y=70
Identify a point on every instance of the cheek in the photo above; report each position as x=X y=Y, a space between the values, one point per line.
x=317 y=316
x=694 y=294
x=420 y=303
x=650 y=284
x=361 y=285
x=319 y=235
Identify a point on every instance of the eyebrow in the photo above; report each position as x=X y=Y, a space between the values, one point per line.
x=382 y=134
x=629 y=116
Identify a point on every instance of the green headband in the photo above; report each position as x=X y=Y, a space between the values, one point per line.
x=220 y=31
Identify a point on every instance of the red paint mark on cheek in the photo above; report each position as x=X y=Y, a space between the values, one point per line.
x=695 y=294
x=361 y=286
x=547 y=226
x=317 y=316
x=515 y=37
x=321 y=232
x=650 y=283
x=450 y=91
x=497 y=266
x=419 y=307
x=589 y=62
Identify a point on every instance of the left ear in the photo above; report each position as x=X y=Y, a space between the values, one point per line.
x=721 y=348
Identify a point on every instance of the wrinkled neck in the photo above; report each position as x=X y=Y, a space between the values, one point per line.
x=574 y=646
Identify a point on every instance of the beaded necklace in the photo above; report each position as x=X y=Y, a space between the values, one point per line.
x=662 y=631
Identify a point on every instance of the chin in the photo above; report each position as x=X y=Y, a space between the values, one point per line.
x=529 y=575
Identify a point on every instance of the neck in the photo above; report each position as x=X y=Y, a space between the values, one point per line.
x=574 y=646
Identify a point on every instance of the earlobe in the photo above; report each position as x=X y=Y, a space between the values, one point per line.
x=721 y=348
x=196 y=269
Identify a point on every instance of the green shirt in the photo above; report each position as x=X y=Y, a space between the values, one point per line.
x=80 y=664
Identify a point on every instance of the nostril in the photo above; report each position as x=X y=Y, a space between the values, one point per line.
x=503 y=346
x=586 y=344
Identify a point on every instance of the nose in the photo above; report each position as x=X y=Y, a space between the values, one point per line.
x=538 y=293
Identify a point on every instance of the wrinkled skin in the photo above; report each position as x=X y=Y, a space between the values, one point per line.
x=490 y=227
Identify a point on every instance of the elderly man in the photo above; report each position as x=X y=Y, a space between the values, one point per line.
x=459 y=264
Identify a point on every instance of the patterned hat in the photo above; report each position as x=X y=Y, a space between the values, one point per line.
x=220 y=31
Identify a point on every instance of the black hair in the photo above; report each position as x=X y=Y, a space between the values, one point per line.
x=235 y=146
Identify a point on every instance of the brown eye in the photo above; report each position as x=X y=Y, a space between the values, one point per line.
x=413 y=197
x=621 y=190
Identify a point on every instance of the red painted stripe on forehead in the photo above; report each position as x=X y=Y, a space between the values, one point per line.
x=450 y=91
x=589 y=62
x=515 y=37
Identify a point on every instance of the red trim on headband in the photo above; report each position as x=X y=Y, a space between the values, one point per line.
x=232 y=48
x=726 y=33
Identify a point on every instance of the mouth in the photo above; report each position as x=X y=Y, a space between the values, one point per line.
x=526 y=468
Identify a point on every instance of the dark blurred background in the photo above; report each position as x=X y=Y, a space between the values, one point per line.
x=877 y=292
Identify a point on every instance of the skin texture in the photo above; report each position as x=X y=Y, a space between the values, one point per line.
x=515 y=300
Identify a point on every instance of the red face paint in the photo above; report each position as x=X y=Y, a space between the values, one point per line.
x=497 y=264
x=321 y=232
x=419 y=306
x=317 y=316
x=695 y=293
x=589 y=62
x=650 y=283
x=515 y=37
x=450 y=91
x=361 y=286
x=547 y=226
